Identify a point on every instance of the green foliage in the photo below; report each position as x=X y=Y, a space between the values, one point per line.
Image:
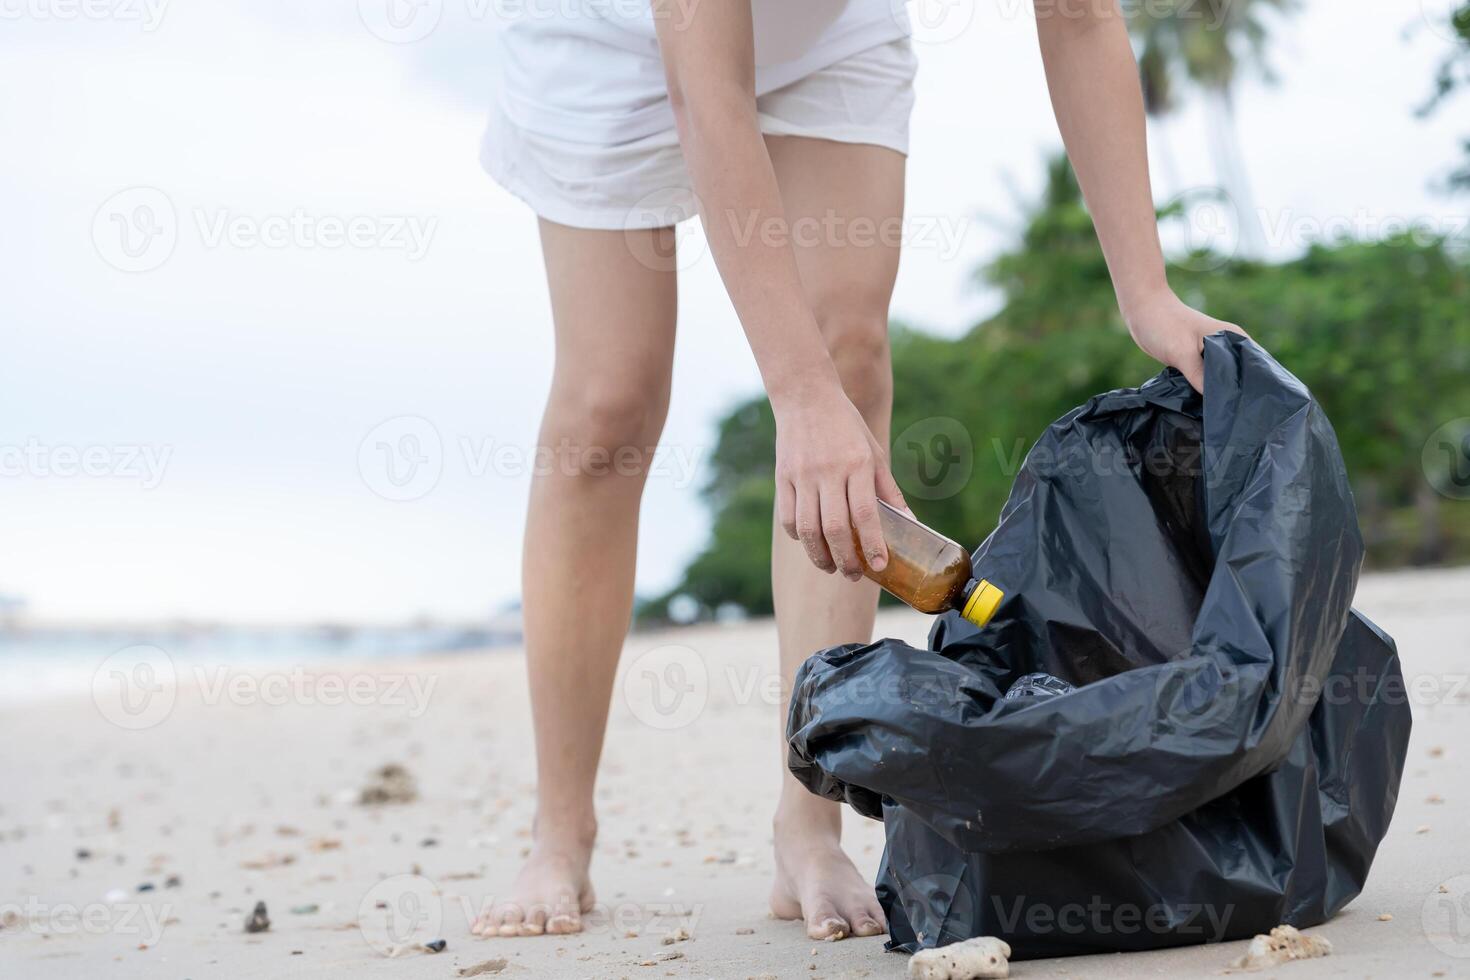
x=1453 y=76
x=735 y=566
x=1377 y=330
x=1380 y=333
x=1454 y=70
x=1205 y=41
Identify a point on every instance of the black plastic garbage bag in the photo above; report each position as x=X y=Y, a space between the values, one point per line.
x=1230 y=756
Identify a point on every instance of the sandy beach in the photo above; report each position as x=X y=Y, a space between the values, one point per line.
x=140 y=825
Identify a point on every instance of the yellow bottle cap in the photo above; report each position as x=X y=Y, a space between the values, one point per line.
x=982 y=603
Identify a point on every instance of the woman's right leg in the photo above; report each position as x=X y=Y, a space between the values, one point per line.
x=614 y=318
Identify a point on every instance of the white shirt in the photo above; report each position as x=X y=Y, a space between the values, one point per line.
x=590 y=71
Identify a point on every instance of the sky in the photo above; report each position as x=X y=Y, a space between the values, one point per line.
x=274 y=349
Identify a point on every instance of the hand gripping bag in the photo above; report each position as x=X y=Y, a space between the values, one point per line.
x=1230 y=757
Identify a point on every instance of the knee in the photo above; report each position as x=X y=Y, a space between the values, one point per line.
x=858 y=344
x=610 y=427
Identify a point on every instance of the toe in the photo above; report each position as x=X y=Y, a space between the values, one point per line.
x=534 y=922
x=563 y=924
x=823 y=922
x=510 y=918
x=865 y=915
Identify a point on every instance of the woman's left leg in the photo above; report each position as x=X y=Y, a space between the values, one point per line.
x=844 y=203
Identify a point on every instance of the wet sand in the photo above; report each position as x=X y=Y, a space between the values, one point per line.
x=228 y=788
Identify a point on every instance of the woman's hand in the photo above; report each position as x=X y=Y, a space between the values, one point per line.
x=1171 y=332
x=830 y=472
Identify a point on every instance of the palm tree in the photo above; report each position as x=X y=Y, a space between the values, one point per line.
x=1209 y=43
x=1158 y=99
x=1453 y=75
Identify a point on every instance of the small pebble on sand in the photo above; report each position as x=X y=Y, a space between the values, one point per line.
x=1283 y=945
x=391 y=783
x=258 y=921
x=972 y=959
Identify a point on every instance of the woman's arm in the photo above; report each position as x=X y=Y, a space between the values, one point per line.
x=1093 y=77
x=829 y=468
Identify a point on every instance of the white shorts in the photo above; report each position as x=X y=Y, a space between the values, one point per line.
x=642 y=183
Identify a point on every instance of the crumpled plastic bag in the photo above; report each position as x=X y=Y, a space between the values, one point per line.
x=1230 y=757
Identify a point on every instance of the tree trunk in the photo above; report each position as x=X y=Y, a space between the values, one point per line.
x=1168 y=166
x=1231 y=173
x=1432 y=547
x=1368 y=493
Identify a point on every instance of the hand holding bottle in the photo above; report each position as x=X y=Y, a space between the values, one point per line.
x=830 y=475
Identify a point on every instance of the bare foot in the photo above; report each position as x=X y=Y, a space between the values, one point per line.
x=548 y=896
x=817 y=883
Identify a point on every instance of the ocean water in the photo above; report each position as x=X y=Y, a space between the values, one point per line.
x=40 y=664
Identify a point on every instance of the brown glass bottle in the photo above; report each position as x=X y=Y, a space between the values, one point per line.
x=929 y=571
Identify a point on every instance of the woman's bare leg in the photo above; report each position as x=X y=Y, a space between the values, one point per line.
x=614 y=319
x=844 y=202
